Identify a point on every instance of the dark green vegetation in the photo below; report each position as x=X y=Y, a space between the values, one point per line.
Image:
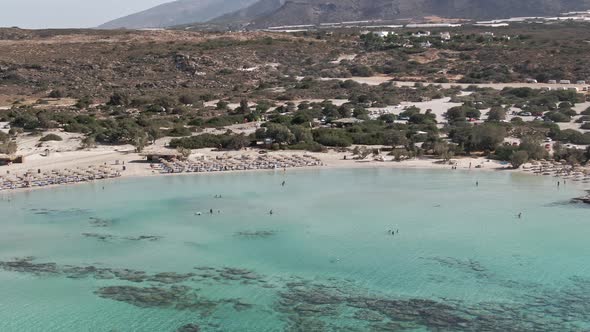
x=50 y=137
x=320 y=304
x=6 y=145
x=315 y=126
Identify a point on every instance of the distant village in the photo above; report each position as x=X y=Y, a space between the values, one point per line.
x=583 y=16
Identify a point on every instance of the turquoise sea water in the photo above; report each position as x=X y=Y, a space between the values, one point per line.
x=134 y=256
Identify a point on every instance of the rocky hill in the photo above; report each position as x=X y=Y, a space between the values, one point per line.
x=318 y=11
x=177 y=13
x=257 y=10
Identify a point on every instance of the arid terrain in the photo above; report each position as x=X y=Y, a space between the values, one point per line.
x=433 y=96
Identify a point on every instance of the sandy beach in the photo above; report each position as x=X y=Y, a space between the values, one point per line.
x=66 y=156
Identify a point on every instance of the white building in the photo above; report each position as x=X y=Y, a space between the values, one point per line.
x=383 y=34
x=421 y=34
x=426 y=44
x=445 y=35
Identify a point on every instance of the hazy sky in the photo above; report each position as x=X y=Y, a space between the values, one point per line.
x=67 y=13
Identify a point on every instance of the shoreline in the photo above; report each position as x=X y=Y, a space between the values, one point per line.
x=332 y=164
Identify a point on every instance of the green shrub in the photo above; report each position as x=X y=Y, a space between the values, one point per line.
x=573 y=136
x=179 y=132
x=518 y=158
x=332 y=137
x=51 y=137
x=558 y=117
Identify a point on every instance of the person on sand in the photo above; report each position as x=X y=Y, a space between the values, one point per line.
x=283 y=184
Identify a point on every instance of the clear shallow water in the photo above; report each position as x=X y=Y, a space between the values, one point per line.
x=324 y=261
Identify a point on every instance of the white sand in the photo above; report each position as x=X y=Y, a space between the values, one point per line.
x=66 y=154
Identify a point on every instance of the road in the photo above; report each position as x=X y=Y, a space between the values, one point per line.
x=376 y=80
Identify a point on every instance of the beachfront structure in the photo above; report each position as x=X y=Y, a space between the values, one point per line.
x=7 y=159
x=156 y=156
x=565 y=82
x=39 y=178
x=237 y=163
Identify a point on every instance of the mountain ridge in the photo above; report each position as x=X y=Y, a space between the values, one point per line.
x=177 y=13
x=265 y=13
x=295 y=12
